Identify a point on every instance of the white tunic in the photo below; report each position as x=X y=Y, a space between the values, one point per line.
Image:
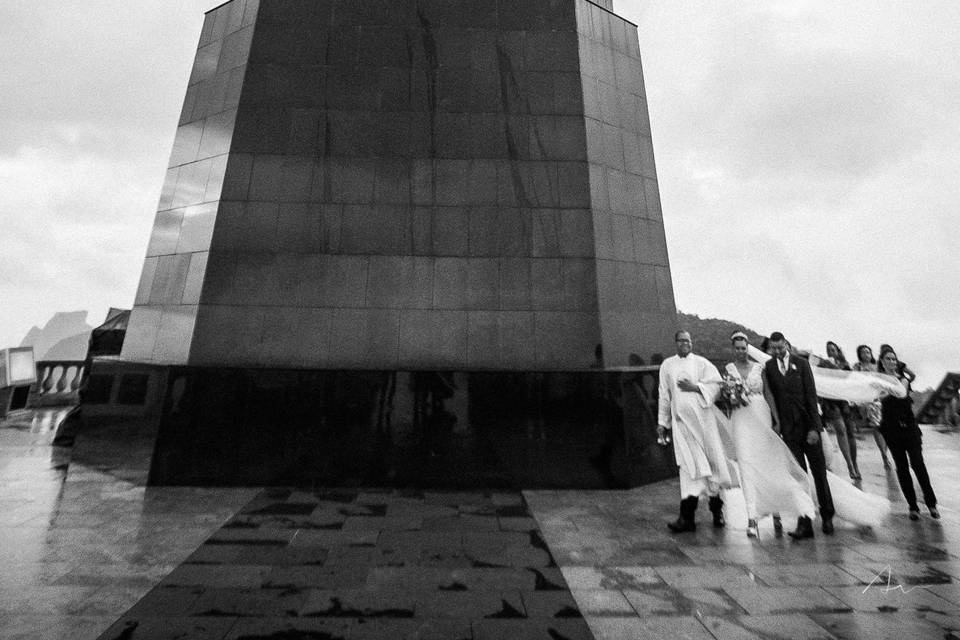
x=697 y=442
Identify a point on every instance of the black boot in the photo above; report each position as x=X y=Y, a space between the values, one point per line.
x=828 y=525
x=716 y=508
x=688 y=508
x=804 y=529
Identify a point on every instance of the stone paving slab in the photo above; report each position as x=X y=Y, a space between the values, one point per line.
x=674 y=627
x=760 y=627
x=883 y=626
x=666 y=601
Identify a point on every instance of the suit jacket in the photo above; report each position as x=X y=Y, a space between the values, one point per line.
x=796 y=396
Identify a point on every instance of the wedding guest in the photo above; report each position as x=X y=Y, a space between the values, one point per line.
x=689 y=385
x=837 y=412
x=903 y=437
x=870 y=412
x=902 y=367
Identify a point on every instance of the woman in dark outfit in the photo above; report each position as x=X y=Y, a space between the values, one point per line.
x=900 y=430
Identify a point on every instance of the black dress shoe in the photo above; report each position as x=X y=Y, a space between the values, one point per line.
x=680 y=525
x=804 y=529
x=828 y=526
x=716 y=508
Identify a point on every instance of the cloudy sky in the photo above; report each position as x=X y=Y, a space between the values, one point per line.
x=808 y=156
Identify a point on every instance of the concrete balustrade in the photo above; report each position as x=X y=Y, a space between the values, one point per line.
x=58 y=382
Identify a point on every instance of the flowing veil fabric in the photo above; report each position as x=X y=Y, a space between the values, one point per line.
x=851 y=504
x=770 y=477
x=856 y=387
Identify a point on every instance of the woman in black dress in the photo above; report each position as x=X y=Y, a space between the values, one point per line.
x=900 y=430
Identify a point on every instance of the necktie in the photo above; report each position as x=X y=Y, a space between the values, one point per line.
x=783 y=365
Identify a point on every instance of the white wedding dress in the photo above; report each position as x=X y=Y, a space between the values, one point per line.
x=772 y=480
x=770 y=477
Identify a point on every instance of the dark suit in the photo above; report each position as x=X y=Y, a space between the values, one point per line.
x=796 y=397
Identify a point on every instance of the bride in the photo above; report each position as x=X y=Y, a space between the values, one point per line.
x=773 y=482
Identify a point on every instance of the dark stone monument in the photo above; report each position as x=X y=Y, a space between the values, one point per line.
x=408 y=241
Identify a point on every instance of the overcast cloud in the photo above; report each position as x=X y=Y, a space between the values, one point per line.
x=808 y=160
x=808 y=156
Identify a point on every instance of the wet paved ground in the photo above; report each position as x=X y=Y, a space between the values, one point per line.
x=349 y=564
x=88 y=554
x=634 y=579
x=81 y=546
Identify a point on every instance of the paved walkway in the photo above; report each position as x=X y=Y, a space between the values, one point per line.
x=90 y=555
x=633 y=579
x=81 y=546
x=373 y=564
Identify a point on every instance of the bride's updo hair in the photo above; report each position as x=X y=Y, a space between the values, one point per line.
x=739 y=335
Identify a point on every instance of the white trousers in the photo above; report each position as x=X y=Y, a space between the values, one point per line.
x=690 y=486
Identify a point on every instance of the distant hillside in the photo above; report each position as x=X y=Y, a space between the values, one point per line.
x=711 y=336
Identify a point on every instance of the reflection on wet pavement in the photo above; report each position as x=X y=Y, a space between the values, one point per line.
x=371 y=564
x=633 y=579
x=81 y=546
x=88 y=554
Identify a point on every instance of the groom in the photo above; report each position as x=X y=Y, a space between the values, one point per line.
x=794 y=401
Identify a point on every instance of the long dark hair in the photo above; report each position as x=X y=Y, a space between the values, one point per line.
x=884 y=351
x=867 y=347
x=841 y=359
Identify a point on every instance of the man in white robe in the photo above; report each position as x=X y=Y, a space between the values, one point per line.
x=689 y=384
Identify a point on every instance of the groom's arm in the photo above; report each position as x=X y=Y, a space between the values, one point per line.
x=810 y=395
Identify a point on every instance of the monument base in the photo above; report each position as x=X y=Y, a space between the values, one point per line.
x=586 y=429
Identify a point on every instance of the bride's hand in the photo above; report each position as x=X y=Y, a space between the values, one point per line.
x=813 y=437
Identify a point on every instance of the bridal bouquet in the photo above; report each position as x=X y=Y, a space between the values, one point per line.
x=733 y=395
